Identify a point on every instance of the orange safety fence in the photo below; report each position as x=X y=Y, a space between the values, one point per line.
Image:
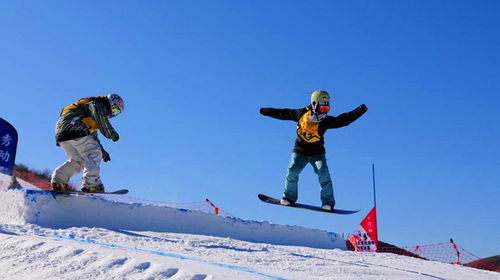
x=447 y=252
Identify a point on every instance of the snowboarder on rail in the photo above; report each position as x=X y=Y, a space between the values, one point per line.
x=312 y=123
x=76 y=133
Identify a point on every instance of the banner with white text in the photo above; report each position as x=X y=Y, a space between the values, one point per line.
x=8 y=146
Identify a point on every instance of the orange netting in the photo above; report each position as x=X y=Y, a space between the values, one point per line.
x=447 y=252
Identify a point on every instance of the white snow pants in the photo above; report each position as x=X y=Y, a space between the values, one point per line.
x=85 y=155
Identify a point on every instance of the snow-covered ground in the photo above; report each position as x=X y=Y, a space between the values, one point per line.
x=39 y=239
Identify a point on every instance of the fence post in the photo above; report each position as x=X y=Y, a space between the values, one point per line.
x=216 y=209
x=458 y=253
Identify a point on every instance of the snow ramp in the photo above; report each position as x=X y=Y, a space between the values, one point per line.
x=45 y=209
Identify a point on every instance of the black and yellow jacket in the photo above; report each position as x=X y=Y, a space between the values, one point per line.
x=310 y=140
x=85 y=117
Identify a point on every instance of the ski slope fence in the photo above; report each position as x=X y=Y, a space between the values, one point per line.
x=447 y=252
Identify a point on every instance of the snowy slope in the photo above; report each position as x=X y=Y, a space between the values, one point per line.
x=62 y=211
x=40 y=240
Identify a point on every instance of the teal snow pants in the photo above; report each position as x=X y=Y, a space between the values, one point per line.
x=297 y=163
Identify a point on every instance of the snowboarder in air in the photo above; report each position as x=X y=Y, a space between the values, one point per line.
x=76 y=133
x=312 y=123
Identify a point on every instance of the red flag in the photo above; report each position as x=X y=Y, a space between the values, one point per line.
x=366 y=235
x=352 y=239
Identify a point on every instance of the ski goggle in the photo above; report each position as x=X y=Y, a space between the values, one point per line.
x=324 y=109
x=114 y=111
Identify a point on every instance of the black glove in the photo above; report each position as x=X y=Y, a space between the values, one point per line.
x=105 y=156
x=115 y=137
x=264 y=111
x=364 y=107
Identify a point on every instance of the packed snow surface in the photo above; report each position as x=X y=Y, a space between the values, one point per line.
x=40 y=239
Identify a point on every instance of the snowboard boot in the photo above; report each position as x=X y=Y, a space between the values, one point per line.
x=60 y=187
x=327 y=207
x=286 y=202
x=96 y=189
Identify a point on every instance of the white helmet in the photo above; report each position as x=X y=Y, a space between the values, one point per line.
x=116 y=105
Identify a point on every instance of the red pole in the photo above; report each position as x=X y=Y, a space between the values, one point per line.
x=216 y=209
x=458 y=252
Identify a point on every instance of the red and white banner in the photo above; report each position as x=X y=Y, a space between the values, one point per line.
x=365 y=237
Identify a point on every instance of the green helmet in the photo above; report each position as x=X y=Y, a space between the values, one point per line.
x=319 y=95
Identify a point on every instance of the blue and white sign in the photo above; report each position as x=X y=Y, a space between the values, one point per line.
x=8 y=146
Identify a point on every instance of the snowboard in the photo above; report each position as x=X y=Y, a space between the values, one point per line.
x=122 y=191
x=271 y=200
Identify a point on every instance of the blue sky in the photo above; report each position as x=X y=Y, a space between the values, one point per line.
x=194 y=74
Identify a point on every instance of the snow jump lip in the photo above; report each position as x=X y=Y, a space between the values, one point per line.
x=50 y=210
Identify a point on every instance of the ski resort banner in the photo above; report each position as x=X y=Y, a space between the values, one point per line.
x=365 y=237
x=8 y=146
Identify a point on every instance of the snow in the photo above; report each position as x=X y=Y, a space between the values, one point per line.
x=43 y=236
